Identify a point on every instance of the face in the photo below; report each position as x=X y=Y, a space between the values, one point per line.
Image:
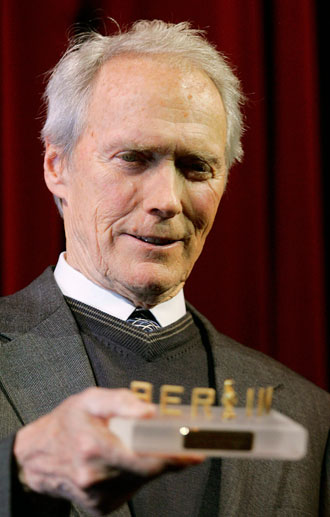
x=143 y=186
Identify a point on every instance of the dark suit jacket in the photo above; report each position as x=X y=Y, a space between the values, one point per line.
x=43 y=361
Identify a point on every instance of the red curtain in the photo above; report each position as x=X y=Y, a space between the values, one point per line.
x=261 y=278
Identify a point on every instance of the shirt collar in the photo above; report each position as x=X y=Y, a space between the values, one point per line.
x=74 y=284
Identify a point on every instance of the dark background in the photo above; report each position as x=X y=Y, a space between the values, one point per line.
x=262 y=278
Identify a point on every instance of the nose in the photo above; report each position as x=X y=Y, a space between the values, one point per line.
x=162 y=194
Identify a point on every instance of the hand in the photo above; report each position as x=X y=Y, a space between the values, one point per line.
x=71 y=453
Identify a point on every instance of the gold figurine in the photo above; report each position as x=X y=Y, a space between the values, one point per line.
x=228 y=399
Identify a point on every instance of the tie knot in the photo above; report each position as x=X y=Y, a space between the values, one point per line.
x=143 y=319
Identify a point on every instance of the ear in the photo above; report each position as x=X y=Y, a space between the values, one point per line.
x=55 y=171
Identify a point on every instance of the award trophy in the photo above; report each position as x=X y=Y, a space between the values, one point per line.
x=249 y=432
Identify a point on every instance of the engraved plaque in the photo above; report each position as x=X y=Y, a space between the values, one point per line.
x=224 y=440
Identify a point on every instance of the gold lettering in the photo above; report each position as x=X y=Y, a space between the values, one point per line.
x=166 y=398
x=204 y=397
x=269 y=398
x=143 y=390
x=249 y=401
x=261 y=401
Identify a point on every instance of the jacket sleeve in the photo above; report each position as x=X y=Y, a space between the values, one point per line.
x=325 y=482
x=5 y=476
x=14 y=500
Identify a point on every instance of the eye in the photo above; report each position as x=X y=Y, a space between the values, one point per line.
x=132 y=157
x=195 y=169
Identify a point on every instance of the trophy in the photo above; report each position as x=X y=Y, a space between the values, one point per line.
x=253 y=431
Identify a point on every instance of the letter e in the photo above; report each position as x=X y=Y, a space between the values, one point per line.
x=166 y=398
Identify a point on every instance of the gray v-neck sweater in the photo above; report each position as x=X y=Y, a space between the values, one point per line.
x=120 y=353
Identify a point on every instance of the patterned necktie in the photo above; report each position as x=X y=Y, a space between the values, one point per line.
x=144 y=320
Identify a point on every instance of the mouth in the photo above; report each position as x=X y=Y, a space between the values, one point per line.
x=156 y=241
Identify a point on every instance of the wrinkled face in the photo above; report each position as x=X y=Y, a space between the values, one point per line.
x=146 y=178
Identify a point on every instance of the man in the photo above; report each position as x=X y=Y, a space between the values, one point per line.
x=141 y=130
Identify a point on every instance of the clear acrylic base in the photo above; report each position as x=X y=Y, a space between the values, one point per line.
x=271 y=435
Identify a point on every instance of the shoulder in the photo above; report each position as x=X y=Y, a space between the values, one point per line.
x=24 y=309
x=248 y=367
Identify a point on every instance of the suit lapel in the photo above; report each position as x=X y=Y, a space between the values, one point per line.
x=244 y=484
x=247 y=487
x=45 y=362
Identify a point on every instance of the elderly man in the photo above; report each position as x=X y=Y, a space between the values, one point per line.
x=142 y=128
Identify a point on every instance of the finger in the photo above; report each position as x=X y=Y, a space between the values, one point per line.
x=105 y=403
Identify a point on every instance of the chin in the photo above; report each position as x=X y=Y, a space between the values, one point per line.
x=152 y=288
x=153 y=291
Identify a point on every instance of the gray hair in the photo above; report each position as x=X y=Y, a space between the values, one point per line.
x=71 y=81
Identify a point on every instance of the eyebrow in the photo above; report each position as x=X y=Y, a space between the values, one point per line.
x=205 y=156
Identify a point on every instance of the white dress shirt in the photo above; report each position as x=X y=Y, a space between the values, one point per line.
x=75 y=285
